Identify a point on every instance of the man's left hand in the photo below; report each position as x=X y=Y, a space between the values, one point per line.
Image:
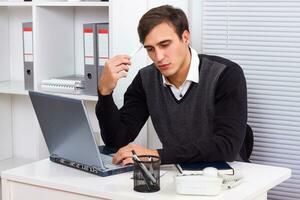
x=124 y=154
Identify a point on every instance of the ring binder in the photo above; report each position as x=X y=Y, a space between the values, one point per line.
x=96 y=52
x=28 y=55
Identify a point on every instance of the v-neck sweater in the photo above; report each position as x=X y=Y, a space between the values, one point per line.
x=207 y=124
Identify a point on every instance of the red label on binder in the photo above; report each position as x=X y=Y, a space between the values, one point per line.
x=103 y=31
x=88 y=30
x=27 y=29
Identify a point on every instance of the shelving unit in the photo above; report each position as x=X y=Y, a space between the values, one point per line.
x=58 y=51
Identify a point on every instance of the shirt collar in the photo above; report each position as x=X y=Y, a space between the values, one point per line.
x=193 y=74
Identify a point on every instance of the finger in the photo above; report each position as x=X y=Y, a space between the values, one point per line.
x=121 y=159
x=117 y=57
x=122 y=154
x=122 y=74
x=116 y=159
x=127 y=161
x=119 y=60
x=121 y=68
x=122 y=56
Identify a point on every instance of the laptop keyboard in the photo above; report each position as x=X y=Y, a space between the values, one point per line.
x=107 y=160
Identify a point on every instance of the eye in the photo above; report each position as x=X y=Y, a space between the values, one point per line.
x=149 y=49
x=165 y=44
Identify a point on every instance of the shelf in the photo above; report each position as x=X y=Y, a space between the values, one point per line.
x=17 y=87
x=16 y=4
x=12 y=87
x=12 y=163
x=79 y=3
x=76 y=96
x=65 y=3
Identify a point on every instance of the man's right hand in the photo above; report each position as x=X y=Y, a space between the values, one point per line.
x=115 y=68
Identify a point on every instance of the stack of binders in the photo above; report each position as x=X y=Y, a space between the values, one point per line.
x=96 y=52
x=73 y=84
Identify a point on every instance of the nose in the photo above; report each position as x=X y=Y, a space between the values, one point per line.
x=159 y=55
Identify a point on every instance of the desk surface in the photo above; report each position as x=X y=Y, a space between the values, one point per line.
x=257 y=180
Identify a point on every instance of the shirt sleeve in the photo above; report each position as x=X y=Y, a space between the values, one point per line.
x=121 y=126
x=229 y=124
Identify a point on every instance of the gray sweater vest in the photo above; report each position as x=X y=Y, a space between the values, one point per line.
x=191 y=118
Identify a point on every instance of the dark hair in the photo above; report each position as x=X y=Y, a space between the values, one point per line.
x=173 y=16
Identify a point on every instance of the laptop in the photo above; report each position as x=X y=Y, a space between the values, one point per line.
x=68 y=134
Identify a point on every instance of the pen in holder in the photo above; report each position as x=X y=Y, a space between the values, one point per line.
x=146 y=173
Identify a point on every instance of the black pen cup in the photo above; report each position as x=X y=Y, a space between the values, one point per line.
x=146 y=173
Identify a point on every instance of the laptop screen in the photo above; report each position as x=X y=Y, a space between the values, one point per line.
x=66 y=128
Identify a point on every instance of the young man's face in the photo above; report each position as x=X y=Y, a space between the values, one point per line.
x=169 y=53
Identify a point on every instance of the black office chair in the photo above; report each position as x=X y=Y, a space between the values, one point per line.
x=247 y=146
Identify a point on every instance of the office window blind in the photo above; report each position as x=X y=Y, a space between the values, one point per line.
x=263 y=36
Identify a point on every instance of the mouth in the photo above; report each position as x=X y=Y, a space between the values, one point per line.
x=163 y=66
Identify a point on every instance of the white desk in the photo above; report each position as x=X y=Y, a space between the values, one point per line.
x=47 y=180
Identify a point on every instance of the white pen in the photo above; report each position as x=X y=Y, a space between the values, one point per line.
x=136 y=51
x=179 y=168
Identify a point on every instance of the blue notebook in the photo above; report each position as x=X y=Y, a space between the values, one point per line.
x=196 y=168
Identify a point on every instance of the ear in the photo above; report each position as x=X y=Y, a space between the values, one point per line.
x=186 y=37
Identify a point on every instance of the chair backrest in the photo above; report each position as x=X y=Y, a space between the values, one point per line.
x=247 y=146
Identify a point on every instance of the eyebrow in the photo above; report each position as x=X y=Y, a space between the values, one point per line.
x=161 y=42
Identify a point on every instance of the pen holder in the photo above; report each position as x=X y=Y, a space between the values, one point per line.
x=146 y=173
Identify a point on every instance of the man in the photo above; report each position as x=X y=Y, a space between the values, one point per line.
x=197 y=103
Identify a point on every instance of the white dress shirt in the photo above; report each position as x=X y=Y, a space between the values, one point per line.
x=193 y=76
